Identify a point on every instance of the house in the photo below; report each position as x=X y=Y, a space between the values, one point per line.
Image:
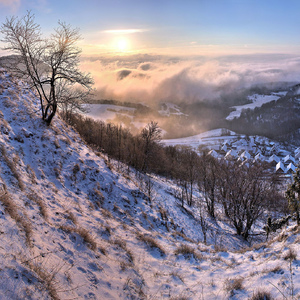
x=290 y=168
x=213 y=153
x=289 y=159
x=231 y=154
x=297 y=153
x=246 y=155
x=273 y=149
x=223 y=150
x=259 y=157
x=280 y=168
x=273 y=160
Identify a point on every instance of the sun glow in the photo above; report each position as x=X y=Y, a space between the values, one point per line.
x=122 y=45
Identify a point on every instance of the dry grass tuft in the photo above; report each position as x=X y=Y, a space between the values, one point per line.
x=290 y=255
x=84 y=233
x=12 y=165
x=122 y=244
x=31 y=173
x=11 y=208
x=188 y=252
x=70 y=216
x=150 y=242
x=45 y=278
x=42 y=206
x=261 y=295
x=182 y=235
x=106 y=213
x=233 y=284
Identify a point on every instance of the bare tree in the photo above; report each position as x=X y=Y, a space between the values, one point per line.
x=150 y=135
x=208 y=181
x=248 y=191
x=50 y=66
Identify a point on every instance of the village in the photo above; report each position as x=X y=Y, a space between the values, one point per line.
x=253 y=149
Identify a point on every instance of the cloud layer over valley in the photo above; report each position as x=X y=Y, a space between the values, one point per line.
x=153 y=78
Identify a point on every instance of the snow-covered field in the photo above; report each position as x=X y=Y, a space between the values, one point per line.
x=168 y=109
x=257 y=101
x=212 y=139
x=106 y=112
x=75 y=226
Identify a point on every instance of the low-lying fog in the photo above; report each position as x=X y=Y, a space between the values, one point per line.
x=153 y=78
x=205 y=88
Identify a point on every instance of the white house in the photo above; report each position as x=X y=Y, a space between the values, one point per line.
x=280 y=168
x=290 y=168
x=288 y=159
x=259 y=157
x=231 y=154
x=273 y=160
x=246 y=155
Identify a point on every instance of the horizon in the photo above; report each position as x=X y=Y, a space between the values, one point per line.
x=204 y=27
x=149 y=51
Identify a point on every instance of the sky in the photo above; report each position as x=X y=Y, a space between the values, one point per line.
x=176 y=50
x=192 y=27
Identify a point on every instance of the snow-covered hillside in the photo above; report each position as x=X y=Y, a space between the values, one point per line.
x=256 y=101
x=105 y=112
x=75 y=225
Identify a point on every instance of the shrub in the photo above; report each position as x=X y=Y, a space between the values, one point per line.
x=188 y=252
x=42 y=206
x=150 y=242
x=12 y=209
x=12 y=165
x=85 y=235
x=290 y=255
x=261 y=295
x=234 y=284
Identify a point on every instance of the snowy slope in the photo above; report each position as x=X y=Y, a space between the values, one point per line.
x=212 y=138
x=75 y=225
x=106 y=112
x=257 y=101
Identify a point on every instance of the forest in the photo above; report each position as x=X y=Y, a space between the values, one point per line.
x=243 y=191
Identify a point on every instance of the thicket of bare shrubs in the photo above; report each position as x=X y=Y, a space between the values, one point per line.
x=244 y=191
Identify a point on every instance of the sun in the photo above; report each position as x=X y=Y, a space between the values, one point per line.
x=122 y=45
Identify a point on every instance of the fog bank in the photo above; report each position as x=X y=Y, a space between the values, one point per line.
x=153 y=78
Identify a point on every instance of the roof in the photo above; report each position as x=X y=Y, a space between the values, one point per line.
x=231 y=153
x=246 y=155
x=290 y=168
x=274 y=158
x=280 y=167
x=288 y=158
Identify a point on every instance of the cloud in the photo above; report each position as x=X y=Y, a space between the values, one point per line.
x=145 y=66
x=12 y=4
x=124 y=31
x=123 y=74
x=151 y=78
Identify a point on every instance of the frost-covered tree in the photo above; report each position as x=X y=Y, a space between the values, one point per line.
x=50 y=66
x=293 y=195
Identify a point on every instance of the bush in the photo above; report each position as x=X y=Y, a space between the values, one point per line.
x=261 y=295
x=234 y=284
x=151 y=242
x=188 y=252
